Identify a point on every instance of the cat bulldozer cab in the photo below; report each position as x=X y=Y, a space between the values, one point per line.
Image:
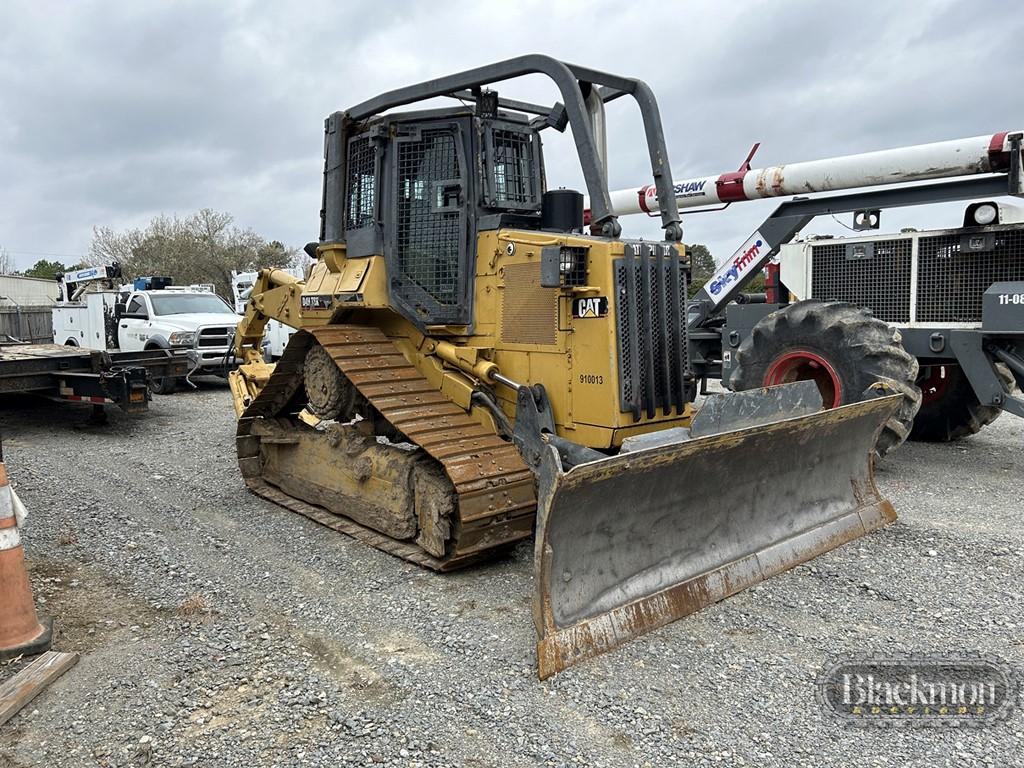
x=473 y=365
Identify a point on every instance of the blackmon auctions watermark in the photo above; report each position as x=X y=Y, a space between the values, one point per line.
x=929 y=690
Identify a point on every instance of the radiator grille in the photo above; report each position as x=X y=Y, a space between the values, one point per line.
x=529 y=313
x=952 y=280
x=215 y=336
x=650 y=291
x=515 y=178
x=880 y=283
x=362 y=184
x=427 y=239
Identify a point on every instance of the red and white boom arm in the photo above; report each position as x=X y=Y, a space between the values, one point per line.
x=939 y=160
x=956 y=159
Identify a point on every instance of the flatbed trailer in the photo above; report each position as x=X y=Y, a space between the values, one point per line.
x=78 y=374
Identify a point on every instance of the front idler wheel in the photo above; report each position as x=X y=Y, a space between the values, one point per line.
x=328 y=394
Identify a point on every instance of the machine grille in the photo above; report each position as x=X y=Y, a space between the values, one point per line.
x=951 y=280
x=529 y=313
x=650 y=306
x=427 y=237
x=514 y=175
x=880 y=282
x=360 y=207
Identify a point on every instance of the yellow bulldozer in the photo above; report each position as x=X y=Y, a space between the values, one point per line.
x=476 y=362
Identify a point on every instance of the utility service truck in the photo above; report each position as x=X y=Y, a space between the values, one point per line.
x=150 y=314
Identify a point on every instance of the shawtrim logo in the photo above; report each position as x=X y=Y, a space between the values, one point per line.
x=919 y=690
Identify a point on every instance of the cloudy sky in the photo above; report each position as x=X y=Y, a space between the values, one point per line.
x=113 y=112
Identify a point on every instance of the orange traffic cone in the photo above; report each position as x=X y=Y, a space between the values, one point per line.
x=21 y=632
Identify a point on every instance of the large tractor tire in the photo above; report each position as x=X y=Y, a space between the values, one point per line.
x=949 y=408
x=841 y=347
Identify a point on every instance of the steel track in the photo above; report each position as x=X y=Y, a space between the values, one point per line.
x=495 y=496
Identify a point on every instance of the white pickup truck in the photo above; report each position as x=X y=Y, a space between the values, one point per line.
x=171 y=318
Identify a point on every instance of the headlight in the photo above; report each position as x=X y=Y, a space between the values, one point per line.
x=182 y=339
x=566 y=261
x=985 y=214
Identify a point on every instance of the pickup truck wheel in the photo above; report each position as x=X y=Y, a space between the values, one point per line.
x=163 y=385
x=839 y=346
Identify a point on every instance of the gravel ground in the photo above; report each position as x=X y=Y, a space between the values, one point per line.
x=216 y=629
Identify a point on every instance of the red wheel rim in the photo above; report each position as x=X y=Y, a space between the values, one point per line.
x=934 y=381
x=804 y=365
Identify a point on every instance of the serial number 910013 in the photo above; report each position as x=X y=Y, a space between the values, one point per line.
x=591 y=378
x=1011 y=298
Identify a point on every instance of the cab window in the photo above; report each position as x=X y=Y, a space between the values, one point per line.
x=136 y=306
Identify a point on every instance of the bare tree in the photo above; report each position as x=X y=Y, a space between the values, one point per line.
x=202 y=248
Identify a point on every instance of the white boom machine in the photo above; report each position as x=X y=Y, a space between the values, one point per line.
x=760 y=339
x=991 y=153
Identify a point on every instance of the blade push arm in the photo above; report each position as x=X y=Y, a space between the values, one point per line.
x=274 y=295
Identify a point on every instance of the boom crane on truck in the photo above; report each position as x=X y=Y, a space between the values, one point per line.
x=74 y=284
x=856 y=324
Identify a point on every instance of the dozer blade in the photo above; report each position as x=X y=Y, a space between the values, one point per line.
x=632 y=542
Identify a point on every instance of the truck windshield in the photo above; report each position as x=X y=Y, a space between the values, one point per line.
x=185 y=303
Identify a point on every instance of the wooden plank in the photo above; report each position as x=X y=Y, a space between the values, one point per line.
x=17 y=692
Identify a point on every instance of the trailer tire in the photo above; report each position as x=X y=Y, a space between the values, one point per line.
x=840 y=346
x=949 y=408
x=161 y=385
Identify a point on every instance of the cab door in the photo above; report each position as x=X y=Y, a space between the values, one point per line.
x=428 y=244
x=133 y=326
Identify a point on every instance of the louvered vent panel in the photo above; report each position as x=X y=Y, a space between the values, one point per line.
x=529 y=313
